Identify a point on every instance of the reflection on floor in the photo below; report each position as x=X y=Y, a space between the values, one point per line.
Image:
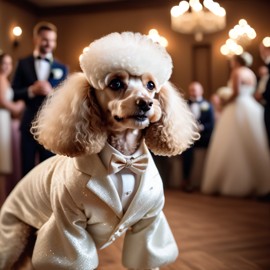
x=213 y=233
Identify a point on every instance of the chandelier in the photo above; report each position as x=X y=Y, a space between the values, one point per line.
x=194 y=18
x=239 y=37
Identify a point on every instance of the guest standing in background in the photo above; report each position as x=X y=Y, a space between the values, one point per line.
x=34 y=79
x=265 y=55
x=263 y=77
x=238 y=158
x=204 y=114
x=8 y=109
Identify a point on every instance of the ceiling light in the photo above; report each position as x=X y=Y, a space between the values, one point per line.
x=194 y=18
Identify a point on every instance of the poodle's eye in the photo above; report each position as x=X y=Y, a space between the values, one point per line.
x=150 y=85
x=116 y=84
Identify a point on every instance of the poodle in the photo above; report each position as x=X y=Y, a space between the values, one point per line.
x=102 y=183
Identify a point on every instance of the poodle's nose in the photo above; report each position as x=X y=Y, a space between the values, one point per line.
x=144 y=105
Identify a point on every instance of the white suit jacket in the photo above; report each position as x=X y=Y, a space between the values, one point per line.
x=76 y=210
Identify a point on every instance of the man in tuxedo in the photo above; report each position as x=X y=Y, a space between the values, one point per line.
x=35 y=77
x=204 y=113
x=262 y=79
x=265 y=55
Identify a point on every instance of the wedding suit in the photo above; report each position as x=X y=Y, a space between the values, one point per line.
x=26 y=75
x=266 y=96
x=204 y=114
x=76 y=210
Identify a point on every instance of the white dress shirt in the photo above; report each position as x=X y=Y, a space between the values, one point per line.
x=195 y=107
x=43 y=67
x=126 y=182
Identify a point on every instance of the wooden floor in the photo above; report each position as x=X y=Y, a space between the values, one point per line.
x=213 y=233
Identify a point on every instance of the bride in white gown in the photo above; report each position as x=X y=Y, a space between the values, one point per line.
x=238 y=159
x=8 y=108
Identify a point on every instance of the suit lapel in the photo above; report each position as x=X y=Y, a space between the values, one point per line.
x=32 y=68
x=57 y=74
x=51 y=79
x=100 y=183
x=106 y=191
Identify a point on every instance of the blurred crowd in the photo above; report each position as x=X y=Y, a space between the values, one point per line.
x=231 y=157
x=35 y=77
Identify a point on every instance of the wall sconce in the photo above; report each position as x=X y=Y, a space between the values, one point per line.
x=266 y=42
x=17 y=32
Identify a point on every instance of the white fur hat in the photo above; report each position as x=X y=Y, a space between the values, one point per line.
x=133 y=52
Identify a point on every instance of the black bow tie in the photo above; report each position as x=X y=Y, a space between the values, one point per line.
x=43 y=58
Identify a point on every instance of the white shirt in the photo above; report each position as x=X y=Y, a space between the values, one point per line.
x=126 y=182
x=195 y=107
x=42 y=67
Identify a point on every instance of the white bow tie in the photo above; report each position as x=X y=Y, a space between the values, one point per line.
x=137 y=165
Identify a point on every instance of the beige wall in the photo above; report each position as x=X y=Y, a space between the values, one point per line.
x=77 y=30
x=11 y=16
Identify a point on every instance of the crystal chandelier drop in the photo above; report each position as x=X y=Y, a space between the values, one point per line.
x=194 y=18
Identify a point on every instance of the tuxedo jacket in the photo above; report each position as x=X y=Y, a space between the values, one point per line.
x=266 y=96
x=25 y=75
x=206 y=119
x=266 y=93
x=75 y=207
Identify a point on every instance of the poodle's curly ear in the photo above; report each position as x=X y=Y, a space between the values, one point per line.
x=69 y=123
x=177 y=128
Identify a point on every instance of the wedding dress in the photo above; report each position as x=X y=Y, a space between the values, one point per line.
x=238 y=158
x=5 y=138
